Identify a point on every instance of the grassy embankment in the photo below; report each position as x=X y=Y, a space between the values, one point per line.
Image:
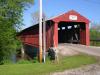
x=48 y=67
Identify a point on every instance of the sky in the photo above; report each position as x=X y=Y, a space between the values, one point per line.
x=87 y=8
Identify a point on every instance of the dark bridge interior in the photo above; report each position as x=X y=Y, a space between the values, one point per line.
x=69 y=32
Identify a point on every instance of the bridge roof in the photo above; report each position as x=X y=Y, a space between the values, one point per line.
x=70 y=16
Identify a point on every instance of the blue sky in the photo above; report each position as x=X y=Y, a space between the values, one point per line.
x=87 y=8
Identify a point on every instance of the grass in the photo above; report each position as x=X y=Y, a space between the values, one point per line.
x=95 y=43
x=41 y=69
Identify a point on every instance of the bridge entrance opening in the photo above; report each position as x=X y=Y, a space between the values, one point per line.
x=69 y=32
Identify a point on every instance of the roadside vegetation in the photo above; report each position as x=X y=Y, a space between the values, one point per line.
x=95 y=34
x=29 y=68
x=11 y=14
x=95 y=37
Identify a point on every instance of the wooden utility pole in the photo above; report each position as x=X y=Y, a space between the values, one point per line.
x=40 y=31
x=44 y=39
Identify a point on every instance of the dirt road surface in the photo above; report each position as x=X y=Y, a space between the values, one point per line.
x=93 y=69
x=72 y=49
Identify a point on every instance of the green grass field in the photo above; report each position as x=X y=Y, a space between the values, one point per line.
x=42 y=69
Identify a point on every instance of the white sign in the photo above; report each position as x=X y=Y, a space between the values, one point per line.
x=72 y=17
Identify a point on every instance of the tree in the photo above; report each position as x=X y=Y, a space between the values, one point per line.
x=95 y=26
x=94 y=34
x=35 y=17
x=11 y=12
x=95 y=31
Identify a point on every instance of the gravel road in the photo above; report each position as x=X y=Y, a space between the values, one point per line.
x=72 y=49
x=91 y=50
x=93 y=69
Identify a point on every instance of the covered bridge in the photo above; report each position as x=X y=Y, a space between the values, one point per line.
x=70 y=27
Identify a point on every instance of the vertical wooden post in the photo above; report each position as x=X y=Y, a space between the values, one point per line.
x=22 y=52
x=56 y=41
x=44 y=39
x=87 y=35
x=55 y=37
x=40 y=31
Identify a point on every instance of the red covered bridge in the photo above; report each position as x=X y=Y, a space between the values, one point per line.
x=70 y=27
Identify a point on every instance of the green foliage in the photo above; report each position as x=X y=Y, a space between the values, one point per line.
x=7 y=62
x=24 y=62
x=95 y=31
x=95 y=43
x=35 y=60
x=42 y=69
x=94 y=34
x=11 y=12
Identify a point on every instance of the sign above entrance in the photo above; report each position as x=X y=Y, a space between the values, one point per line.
x=72 y=17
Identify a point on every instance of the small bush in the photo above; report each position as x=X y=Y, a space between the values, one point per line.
x=7 y=62
x=24 y=61
x=35 y=60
